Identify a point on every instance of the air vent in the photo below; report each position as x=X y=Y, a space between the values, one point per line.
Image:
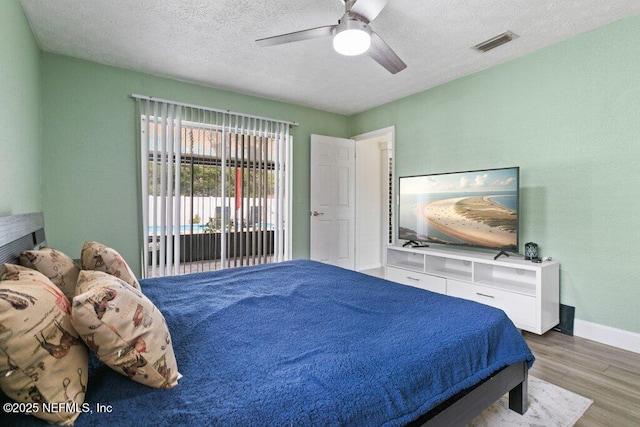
x=496 y=41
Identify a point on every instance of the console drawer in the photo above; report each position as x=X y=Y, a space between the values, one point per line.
x=521 y=309
x=418 y=280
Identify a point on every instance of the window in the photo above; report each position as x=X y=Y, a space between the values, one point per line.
x=215 y=189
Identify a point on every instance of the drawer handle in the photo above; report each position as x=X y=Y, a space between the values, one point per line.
x=413 y=278
x=484 y=295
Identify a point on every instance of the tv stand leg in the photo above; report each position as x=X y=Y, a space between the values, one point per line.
x=415 y=244
x=500 y=254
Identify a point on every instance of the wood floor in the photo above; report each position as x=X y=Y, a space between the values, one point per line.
x=607 y=375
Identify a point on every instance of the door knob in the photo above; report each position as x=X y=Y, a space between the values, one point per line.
x=316 y=213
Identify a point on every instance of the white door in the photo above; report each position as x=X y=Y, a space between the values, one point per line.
x=332 y=204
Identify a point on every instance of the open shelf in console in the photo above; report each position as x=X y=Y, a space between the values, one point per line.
x=521 y=280
x=518 y=280
x=406 y=260
x=449 y=267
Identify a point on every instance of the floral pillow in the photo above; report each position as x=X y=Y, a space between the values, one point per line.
x=98 y=257
x=42 y=358
x=124 y=329
x=57 y=266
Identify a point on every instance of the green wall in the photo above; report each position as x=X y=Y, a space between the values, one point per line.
x=569 y=116
x=19 y=113
x=90 y=178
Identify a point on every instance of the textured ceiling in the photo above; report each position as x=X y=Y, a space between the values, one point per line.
x=212 y=42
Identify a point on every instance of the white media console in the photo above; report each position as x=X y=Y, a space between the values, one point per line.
x=528 y=292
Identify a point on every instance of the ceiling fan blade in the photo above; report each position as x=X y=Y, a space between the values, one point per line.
x=384 y=55
x=368 y=9
x=312 y=33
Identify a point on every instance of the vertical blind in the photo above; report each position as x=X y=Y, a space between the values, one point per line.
x=215 y=188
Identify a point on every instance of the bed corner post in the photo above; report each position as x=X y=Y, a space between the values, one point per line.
x=518 y=394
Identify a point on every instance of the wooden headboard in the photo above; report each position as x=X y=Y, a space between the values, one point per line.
x=20 y=233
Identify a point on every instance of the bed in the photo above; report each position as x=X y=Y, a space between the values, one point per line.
x=305 y=343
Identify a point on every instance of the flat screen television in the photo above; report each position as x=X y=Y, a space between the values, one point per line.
x=477 y=209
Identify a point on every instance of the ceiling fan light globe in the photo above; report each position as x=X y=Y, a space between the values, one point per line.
x=352 y=42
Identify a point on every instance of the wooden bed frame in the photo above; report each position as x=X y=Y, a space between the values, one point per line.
x=26 y=231
x=20 y=233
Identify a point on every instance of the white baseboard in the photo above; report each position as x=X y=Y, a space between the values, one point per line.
x=620 y=338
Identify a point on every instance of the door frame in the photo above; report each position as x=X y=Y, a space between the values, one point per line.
x=391 y=131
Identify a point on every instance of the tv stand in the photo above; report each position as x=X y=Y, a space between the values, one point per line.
x=529 y=293
x=500 y=254
x=414 y=244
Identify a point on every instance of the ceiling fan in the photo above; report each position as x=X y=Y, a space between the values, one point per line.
x=351 y=36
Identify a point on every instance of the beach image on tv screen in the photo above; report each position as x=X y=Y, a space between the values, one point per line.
x=478 y=208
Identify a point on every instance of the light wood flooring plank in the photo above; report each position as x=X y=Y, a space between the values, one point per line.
x=607 y=375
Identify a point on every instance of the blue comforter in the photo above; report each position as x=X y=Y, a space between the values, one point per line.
x=304 y=343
